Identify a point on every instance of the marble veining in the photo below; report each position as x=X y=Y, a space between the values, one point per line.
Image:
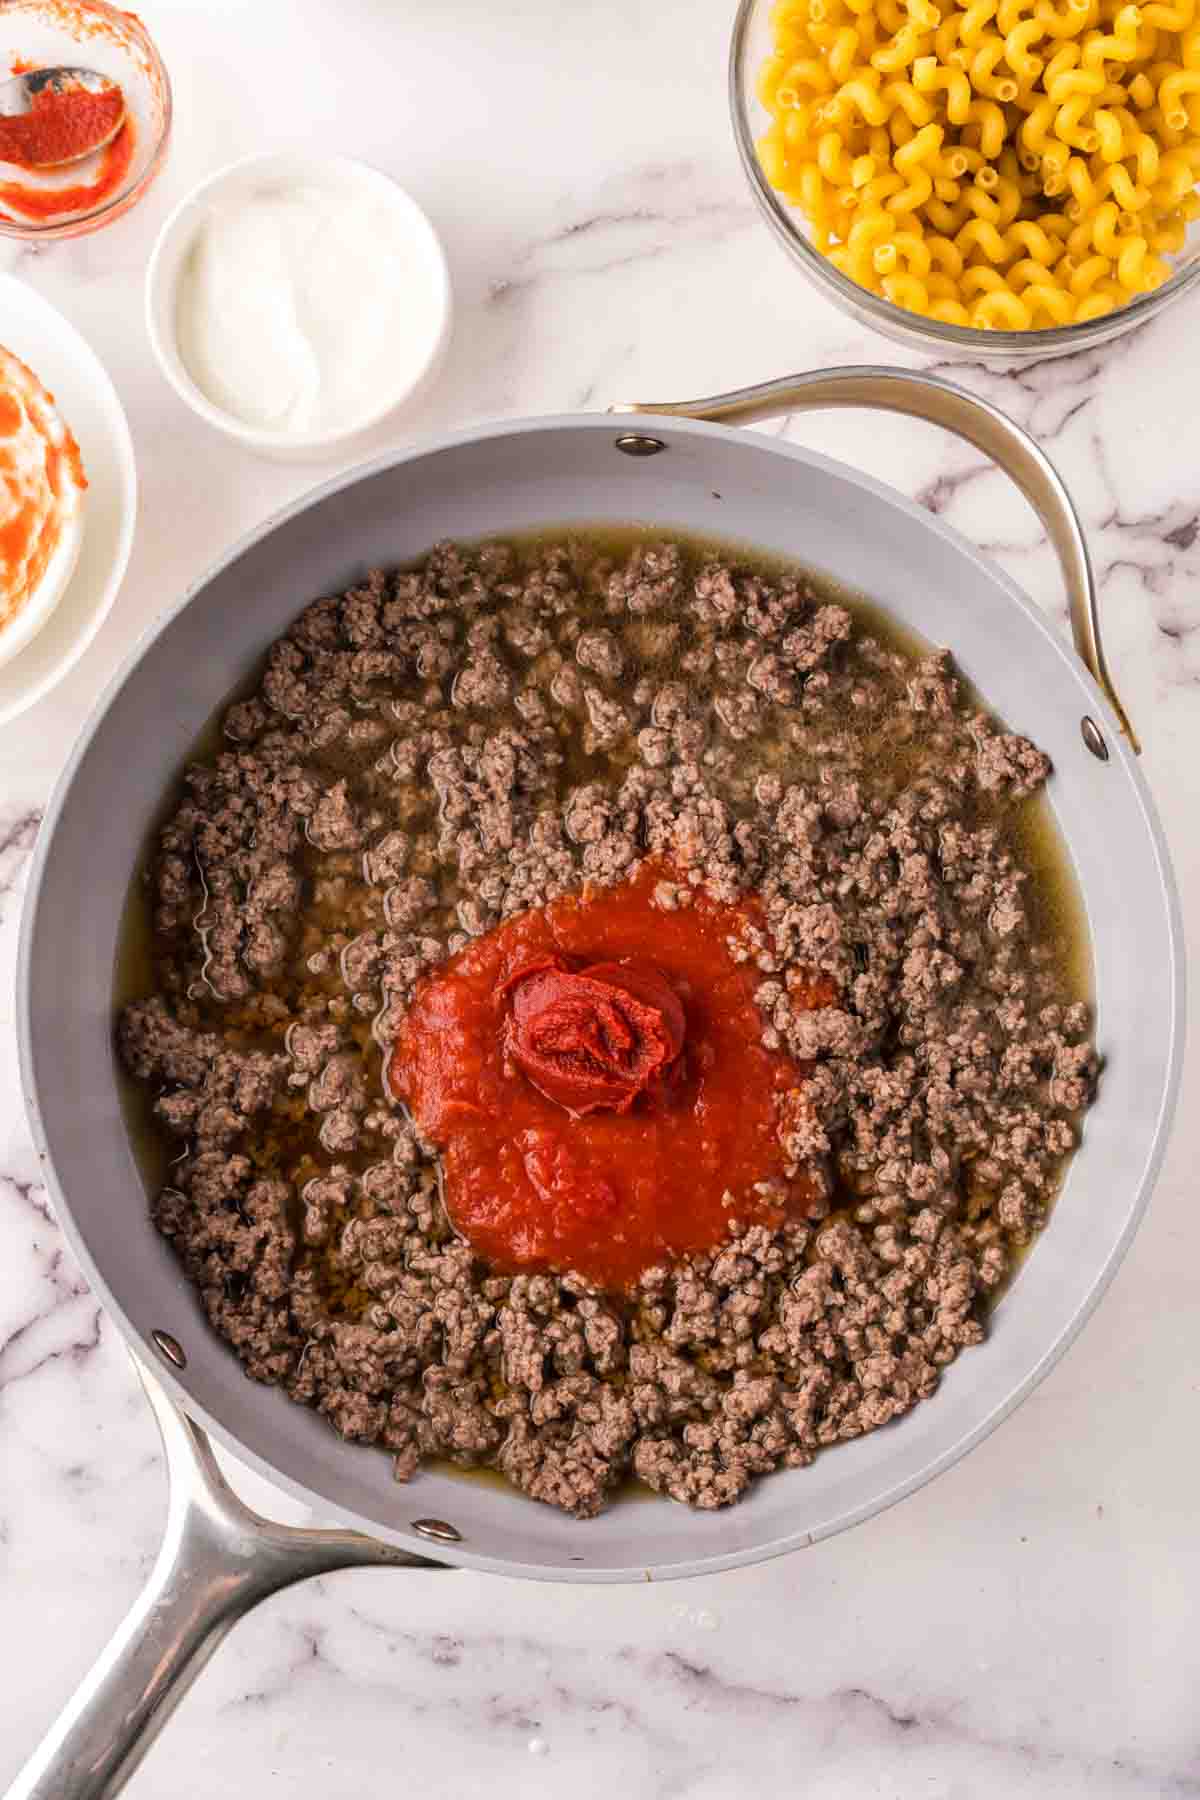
x=1024 y=1629
x=628 y=231
x=17 y=834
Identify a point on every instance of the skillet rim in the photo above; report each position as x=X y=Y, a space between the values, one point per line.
x=458 y=1555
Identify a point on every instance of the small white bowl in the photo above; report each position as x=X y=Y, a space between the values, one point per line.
x=245 y=178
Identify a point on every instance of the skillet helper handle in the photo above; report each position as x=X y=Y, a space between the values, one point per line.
x=217 y=1561
x=940 y=403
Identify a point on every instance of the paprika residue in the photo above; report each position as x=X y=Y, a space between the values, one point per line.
x=61 y=126
x=49 y=198
x=594 y=1075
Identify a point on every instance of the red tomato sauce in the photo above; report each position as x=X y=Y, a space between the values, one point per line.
x=663 y=1163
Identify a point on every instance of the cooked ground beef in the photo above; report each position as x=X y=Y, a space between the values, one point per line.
x=443 y=747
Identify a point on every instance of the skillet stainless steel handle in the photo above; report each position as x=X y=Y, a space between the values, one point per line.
x=940 y=403
x=217 y=1561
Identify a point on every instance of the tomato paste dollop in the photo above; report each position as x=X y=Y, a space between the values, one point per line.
x=594 y=1076
x=596 y=1037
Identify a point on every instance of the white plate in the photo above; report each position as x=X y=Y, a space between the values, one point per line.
x=87 y=400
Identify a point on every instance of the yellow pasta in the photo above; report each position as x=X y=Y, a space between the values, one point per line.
x=986 y=120
x=976 y=18
x=1069 y=126
x=1170 y=18
x=1036 y=242
x=1132 y=263
x=1055 y=302
x=905 y=47
x=1122 y=44
x=1001 y=308
x=946 y=254
x=906 y=100
x=1007 y=164
x=1171 y=96
x=843 y=54
x=948 y=47
x=861 y=96
x=834 y=160
x=982 y=71
x=1020 y=56
x=923 y=147
x=1110 y=138
x=907 y=291
x=928 y=78
x=950 y=312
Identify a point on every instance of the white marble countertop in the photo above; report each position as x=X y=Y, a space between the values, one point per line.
x=1023 y=1628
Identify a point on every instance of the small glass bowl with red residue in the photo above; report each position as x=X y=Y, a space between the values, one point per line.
x=39 y=34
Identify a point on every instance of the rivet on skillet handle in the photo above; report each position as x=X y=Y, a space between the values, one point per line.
x=437 y=1531
x=217 y=1561
x=636 y=443
x=170 y=1347
x=941 y=403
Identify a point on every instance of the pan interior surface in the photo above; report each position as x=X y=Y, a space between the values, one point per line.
x=714 y=482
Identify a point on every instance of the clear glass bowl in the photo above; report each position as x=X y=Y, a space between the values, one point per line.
x=749 y=49
x=90 y=33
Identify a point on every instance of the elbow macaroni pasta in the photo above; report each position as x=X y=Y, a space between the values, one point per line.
x=1003 y=164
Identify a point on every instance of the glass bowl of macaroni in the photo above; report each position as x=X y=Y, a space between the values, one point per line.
x=1010 y=178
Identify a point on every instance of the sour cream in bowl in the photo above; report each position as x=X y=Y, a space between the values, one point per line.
x=293 y=301
x=42 y=489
